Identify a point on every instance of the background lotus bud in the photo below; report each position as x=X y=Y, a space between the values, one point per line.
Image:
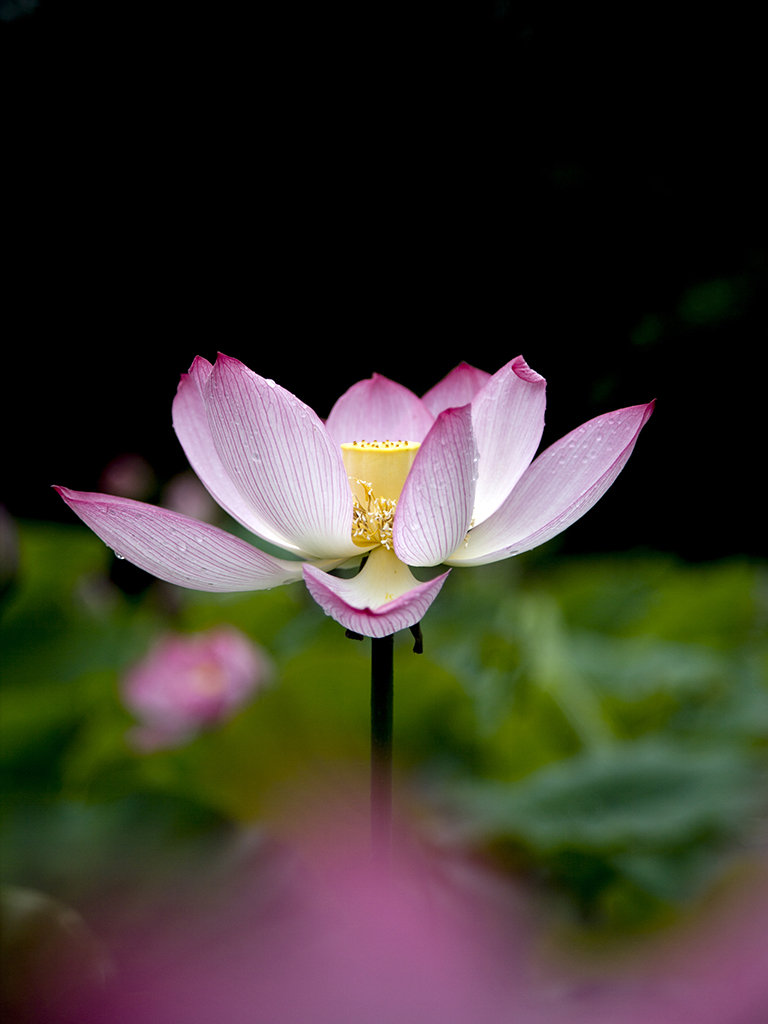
x=190 y=682
x=185 y=494
x=129 y=475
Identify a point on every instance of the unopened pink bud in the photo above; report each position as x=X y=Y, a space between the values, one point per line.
x=191 y=682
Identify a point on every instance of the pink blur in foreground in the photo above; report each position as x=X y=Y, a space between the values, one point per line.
x=317 y=931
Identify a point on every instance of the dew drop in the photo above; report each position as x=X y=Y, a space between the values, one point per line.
x=118 y=555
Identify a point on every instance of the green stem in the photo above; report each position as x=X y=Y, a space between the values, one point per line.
x=382 y=694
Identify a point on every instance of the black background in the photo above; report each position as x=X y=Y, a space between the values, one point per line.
x=325 y=191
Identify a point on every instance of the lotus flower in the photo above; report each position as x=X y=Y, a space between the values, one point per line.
x=189 y=682
x=389 y=481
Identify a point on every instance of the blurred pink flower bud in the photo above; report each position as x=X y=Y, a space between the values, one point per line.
x=190 y=682
x=185 y=494
x=9 y=549
x=129 y=475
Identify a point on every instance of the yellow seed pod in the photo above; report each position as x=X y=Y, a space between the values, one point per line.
x=383 y=465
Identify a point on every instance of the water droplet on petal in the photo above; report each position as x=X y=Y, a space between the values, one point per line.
x=118 y=555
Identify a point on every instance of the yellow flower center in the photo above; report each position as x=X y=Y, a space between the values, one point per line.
x=377 y=471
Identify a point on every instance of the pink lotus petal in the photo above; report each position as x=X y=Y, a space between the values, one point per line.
x=190 y=421
x=435 y=507
x=282 y=459
x=508 y=418
x=359 y=604
x=378 y=409
x=558 y=488
x=457 y=388
x=178 y=549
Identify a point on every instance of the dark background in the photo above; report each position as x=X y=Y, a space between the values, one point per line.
x=325 y=191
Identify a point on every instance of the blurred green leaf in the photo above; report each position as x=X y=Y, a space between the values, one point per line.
x=711 y=301
x=633 y=796
x=623 y=832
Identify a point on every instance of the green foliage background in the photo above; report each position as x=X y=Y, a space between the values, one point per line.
x=594 y=725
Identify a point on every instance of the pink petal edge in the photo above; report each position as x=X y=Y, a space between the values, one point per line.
x=455 y=389
x=178 y=549
x=435 y=508
x=551 y=496
x=336 y=597
x=282 y=459
x=378 y=409
x=190 y=421
x=508 y=419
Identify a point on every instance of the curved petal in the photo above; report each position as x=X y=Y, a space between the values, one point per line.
x=383 y=598
x=435 y=507
x=508 y=418
x=378 y=409
x=558 y=488
x=282 y=460
x=178 y=549
x=190 y=421
x=457 y=388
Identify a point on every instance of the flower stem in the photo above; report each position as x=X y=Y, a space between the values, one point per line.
x=382 y=694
